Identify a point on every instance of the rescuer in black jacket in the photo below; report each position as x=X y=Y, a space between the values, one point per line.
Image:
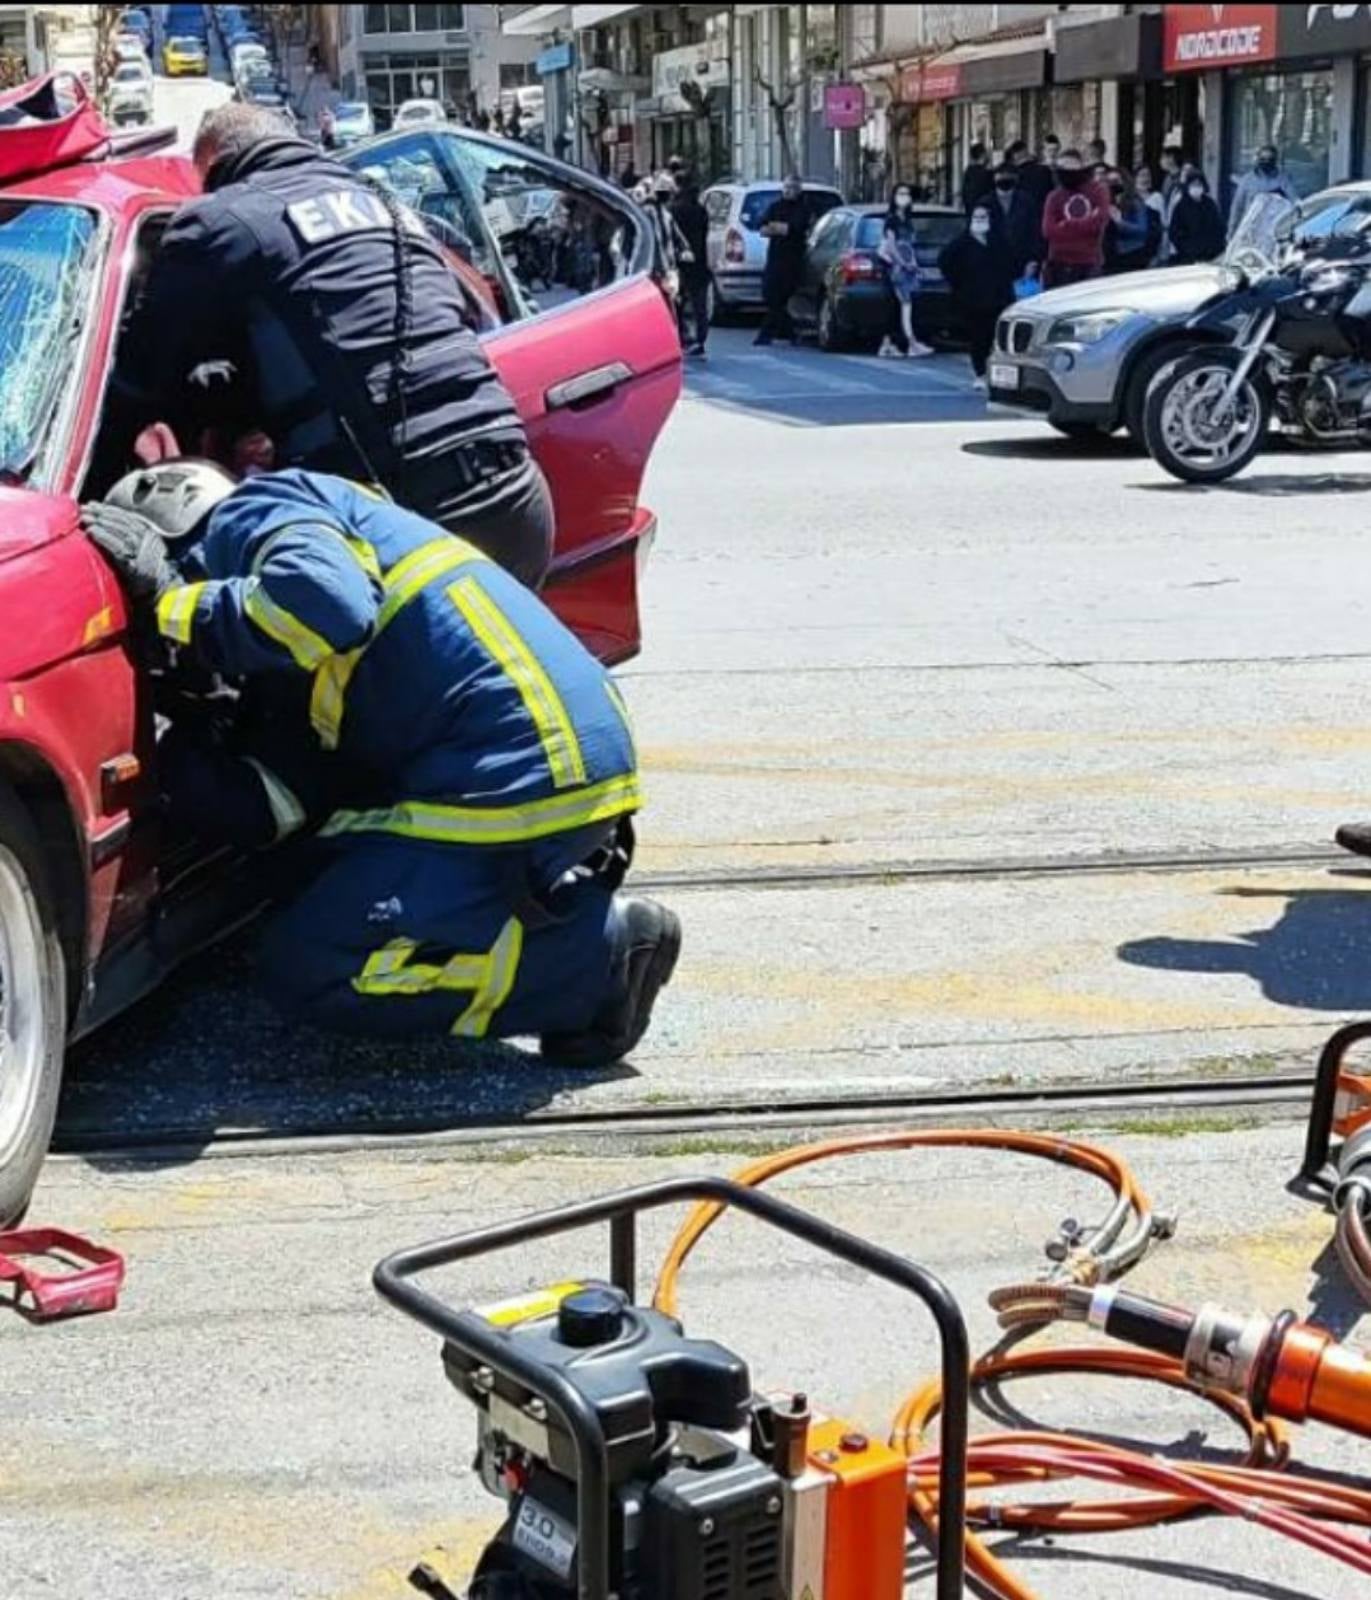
x=347 y=324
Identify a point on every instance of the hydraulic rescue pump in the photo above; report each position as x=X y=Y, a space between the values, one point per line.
x=638 y=1462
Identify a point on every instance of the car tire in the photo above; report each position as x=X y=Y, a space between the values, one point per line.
x=829 y=330
x=32 y=1008
x=1167 y=392
x=1145 y=369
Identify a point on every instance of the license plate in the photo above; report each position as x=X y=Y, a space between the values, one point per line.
x=1003 y=376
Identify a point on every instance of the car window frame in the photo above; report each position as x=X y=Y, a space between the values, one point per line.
x=565 y=176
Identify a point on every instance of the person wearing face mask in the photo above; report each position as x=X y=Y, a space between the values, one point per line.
x=1074 y=219
x=1017 y=215
x=783 y=227
x=1266 y=177
x=1036 y=179
x=980 y=272
x=1196 y=226
x=902 y=264
x=1134 y=231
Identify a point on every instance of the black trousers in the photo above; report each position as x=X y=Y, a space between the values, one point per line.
x=979 y=322
x=776 y=293
x=509 y=516
x=693 y=312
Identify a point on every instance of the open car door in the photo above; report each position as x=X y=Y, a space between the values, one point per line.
x=588 y=345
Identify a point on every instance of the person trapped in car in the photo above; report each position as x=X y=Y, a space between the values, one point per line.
x=348 y=325
x=467 y=762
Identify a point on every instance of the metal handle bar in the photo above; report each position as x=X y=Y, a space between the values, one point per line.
x=476 y=1337
x=1318 y=1141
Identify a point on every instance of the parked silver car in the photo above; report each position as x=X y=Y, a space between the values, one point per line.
x=734 y=247
x=1083 y=357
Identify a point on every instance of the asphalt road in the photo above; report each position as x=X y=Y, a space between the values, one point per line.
x=887 y=636
x=947 y=666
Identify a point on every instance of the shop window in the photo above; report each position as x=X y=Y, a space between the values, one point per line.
x=1292 y=111
x=453 y=18
x=426 y=19
x=399 y=19
x=374 y=19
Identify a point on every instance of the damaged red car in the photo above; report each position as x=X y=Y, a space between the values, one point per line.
x=96 y=903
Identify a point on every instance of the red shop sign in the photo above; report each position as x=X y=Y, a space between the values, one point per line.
x=932 y=82
x=1198 y=37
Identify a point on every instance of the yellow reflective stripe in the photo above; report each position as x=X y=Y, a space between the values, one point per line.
x=502 y=967
x=420 y=567
x=373 y=491
x=444 y=824
x=391 y=972
x=542 y=702
x=286 y=811
x=176 y=611
x=366 y=556
x=616 y=699
x=307 y=649
x=406 y=578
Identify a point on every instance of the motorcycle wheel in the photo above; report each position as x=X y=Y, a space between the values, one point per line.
x=1183 y=430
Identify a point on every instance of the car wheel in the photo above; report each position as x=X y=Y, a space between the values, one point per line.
x=830 y=332
x=1139 y=382
x=1191 y=433
x=32 y=1009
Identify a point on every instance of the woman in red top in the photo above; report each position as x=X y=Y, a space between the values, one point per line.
x=1074 y=219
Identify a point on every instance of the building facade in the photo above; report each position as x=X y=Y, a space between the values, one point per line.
x=454 y=53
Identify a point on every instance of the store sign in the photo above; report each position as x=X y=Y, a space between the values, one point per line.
x=1199 y=37
x=556 y=58
x=844 y=105
x=1324 y=30
x=681 y=78
x=932 y=82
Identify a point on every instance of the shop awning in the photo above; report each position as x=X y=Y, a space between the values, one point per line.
x=1115 y=47
x=533 y=21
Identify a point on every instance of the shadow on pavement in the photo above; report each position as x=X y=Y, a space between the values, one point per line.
x=1207 y=1580
x=1274 y=484
x=1050 y=446
x=207 y=1056
x=1316 y=956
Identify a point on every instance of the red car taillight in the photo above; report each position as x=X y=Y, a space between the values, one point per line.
x=735 y=247
x=856 y=268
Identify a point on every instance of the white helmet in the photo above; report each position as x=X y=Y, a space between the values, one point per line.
x=175 y=496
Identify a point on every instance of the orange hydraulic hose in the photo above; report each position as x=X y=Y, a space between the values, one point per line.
x=1256 y=1488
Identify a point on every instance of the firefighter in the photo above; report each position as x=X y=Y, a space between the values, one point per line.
x=474 y=890
x=343 y=317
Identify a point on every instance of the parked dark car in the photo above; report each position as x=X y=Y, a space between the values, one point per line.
x=846 y=297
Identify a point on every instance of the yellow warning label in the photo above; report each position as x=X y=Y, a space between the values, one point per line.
x=541 y=1303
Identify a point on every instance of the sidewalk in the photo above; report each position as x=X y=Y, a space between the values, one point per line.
x=255 y=1424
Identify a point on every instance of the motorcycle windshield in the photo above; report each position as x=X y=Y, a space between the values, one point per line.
x=1262 y=238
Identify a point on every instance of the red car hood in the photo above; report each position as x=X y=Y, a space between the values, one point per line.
x=29 y=520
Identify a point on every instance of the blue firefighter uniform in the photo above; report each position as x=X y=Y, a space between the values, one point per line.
x=500 y=745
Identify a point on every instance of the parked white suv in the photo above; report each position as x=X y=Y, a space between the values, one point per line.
x=736 y=250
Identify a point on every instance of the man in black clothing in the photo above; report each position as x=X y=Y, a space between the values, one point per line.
x=1036 y=179
x=346 y=324
x=1018 y=218
x=692 y=223
x=977 y=180
x=783 y=227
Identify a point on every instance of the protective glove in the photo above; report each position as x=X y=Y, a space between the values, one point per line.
x=134 y=548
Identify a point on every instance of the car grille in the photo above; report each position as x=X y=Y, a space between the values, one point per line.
x=1014 y=335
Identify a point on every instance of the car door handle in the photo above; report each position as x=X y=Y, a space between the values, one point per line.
x=586 y=387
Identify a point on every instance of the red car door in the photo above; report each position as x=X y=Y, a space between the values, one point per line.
x=589 y=348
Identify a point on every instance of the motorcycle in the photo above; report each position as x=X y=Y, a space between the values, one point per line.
x=1291 y=340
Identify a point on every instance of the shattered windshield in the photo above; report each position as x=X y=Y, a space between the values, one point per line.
x=45 y=258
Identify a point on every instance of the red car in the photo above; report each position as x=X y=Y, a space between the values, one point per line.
x=95 y=906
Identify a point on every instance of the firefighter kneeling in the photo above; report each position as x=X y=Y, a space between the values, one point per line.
x=473 y=891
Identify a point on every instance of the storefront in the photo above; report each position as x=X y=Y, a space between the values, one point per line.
x=1003 y=97
x=1287 y=77
x=1149 y=110
x=689 y=112
x=921 y=152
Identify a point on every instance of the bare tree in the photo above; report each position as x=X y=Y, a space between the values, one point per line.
x=780 y=100
x=108 y=26
x=901 y=107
